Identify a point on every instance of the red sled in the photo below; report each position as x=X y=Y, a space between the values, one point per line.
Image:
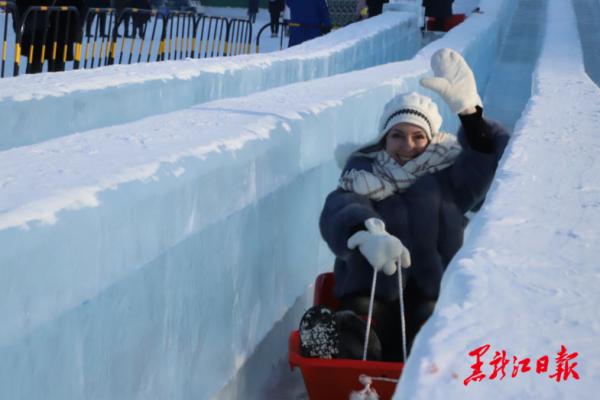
x=336 y=379
x=449 y=23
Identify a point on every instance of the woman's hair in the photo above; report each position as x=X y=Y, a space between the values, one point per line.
x=372 y=148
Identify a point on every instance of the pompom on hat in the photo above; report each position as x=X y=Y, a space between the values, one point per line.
x=412 y=108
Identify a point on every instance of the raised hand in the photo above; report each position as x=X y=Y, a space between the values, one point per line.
x=454 y=81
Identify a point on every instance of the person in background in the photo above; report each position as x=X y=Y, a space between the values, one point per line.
x=136 y=20
x=441 y=10
x=275 y=9
x=401 y=201
x=119 y=6
x=362 y=10
x=163 y=9
x=309 y=19
x=252 y=10
x=140 y=19
x=54 y=25
x=375 y=7
x=100 y=17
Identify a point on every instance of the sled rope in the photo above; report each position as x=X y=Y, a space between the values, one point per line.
x=402 y=314
x=385 y=379
x=370 y=316
x=369 y=393
x=402 y=319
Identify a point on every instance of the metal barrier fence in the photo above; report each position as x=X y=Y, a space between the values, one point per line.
x=59 y=38
x=240 y=37
x=282 y=28
x=97 y=37
x=50 y=34
x=7 y=10
x=130 y=35
x=211 y=37
x=179 y=36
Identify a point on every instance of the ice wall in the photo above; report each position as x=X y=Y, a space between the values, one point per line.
x=149 y=259
x=526 y=280
x=34 y=108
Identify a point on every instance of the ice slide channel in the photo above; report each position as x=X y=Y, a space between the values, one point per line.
x=588 y=15
x=34 y=108
x=507 y=91
x=150 y=259
x=526 y=281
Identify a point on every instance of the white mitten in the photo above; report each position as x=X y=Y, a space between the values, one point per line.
x=382 y=250
x=454 y=81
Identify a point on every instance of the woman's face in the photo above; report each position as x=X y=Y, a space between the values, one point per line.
x=405 y=141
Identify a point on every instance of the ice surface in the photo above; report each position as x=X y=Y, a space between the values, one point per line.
x=588 y=13
x=76 y=101
x=510 y=86
x=149 y=259
x=526 y=280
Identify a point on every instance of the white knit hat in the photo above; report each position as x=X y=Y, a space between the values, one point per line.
x=413 y=108
x=408 y=107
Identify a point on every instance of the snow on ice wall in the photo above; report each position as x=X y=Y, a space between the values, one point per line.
x=75 y=101
x=149 y=259
x=526 y=280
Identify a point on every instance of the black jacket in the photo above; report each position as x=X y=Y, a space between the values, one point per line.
x=428 y=218
x=438 y=8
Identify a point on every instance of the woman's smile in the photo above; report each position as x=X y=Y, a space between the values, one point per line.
x=405 y=141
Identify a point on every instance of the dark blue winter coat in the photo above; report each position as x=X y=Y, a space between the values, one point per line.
x=428 y=218
x=438 y=8
x=309 y=18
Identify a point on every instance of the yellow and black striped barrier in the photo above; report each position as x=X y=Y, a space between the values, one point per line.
x=98 y=24
x=59 y=30
x=6 y=8
x=57 y=35
x=239 y=36
x=129 y=36
x=179 y=35
x=212 y=35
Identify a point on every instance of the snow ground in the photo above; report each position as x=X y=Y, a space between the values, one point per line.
x=101 y=318
x=464 y=6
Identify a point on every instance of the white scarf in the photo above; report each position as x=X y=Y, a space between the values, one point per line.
x=389 y=177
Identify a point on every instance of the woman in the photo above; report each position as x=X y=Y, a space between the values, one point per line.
x=402 y=200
